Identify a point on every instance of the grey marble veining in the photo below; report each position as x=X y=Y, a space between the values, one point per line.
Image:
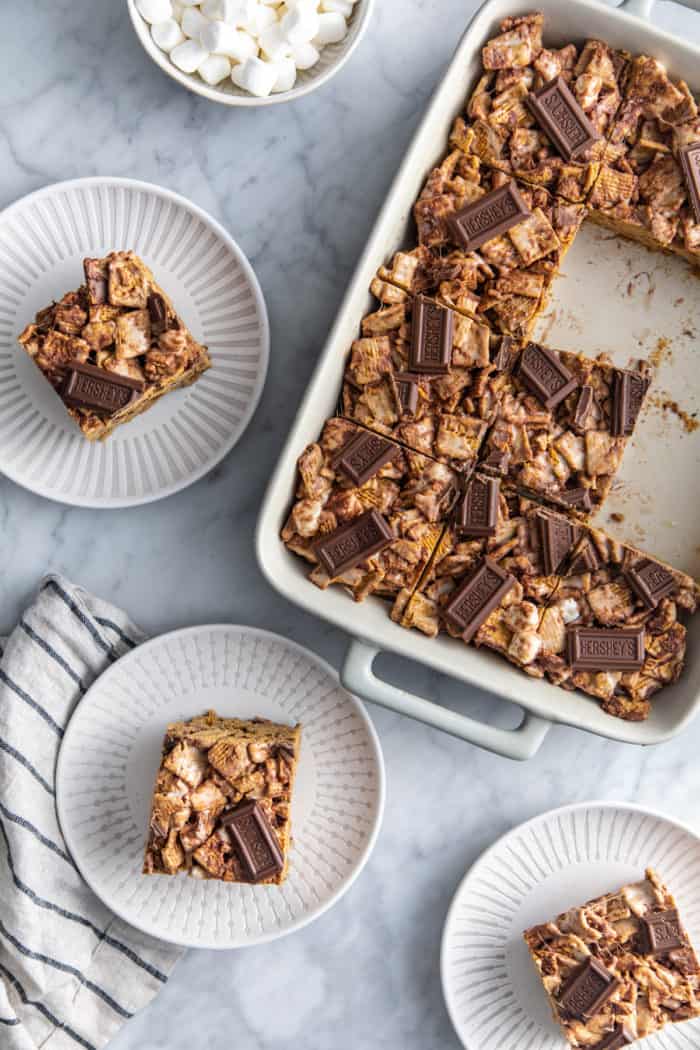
x=298 y=186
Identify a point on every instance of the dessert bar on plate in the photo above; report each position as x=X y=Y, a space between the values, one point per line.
x=114 y=346
x=618 y=968
x=222 y=800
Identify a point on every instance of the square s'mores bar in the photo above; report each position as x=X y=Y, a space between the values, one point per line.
x=492 y=574
x=618 y=968
x=426 y=376
x=614 y=628
x=367 y=512
x=562 y=425
x=495 y=237
x=543 y=114
x=114 y=346
x=222 y=800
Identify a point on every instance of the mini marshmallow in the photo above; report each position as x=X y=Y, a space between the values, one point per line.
x=167 y=34
x=274 y=44
x=262 y=18
x=286 y=75
x=305 y=56
x=255 y=76
x=222 y=39
x=193 y=22
x=300 y=25
x=154 y=10
x=237 y=12
x=188 y=56
x=214 y=69
x=332 y=29
x=340 y=7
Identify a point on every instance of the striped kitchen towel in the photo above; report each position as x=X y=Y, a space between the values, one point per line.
x=71 y=973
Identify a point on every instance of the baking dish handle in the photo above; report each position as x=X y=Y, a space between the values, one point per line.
x=643 y=8
x=358 y=677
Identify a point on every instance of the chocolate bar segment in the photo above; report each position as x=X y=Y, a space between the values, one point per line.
x=583 y=407
x=620 y=1037
x=663 y=932
x=406 y=384
x=629 y=390
x=477 y=597
x=579 y=498
x=95 y=389
x=96 y=280
x=490 y=216
x=432 y=333
x=354 y=542
x=651 y=582
x=363 y=456
x=558 y=537
x=254 y=840
x=690 y=166
x=545 y=375
x=605 y=648
x=587 y=991
x=477 y=511
x=558 y=113
x=585 y=561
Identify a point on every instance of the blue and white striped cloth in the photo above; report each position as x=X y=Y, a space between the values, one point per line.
x=71 y=973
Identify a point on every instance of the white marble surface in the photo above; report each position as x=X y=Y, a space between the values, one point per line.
x=298 y=186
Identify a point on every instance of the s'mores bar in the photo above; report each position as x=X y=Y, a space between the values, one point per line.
x=618 y=968
x=543 y=114
x=562 y=424
x=114 y=346
x=222 y=800
x=367 y=513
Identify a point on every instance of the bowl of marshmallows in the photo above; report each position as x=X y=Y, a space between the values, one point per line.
x=250 y=52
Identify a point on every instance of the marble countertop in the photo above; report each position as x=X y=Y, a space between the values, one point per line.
x=298 y=186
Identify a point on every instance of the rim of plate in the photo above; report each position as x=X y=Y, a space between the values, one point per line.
x=361 y=21
x=116 y=503
x=570 y=807
x=308 y=916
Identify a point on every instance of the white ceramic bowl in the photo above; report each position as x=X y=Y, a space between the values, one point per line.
x=333 y=58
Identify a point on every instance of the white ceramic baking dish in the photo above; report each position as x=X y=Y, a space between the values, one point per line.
x=613 y=296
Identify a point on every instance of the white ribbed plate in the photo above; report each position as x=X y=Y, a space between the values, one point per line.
x=109 y=759
x=43 y=240
x=538 y=870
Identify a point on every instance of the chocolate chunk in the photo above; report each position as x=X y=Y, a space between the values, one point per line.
x=477 y=597
x=583 y=407
x=557 y=537
x=545 y=375
x=558 y=113
x=620 y=1037
x=477 y=511
x=406 y=384
x=353 y=542
x=505 y=354
x=363 y=455
x=96 y=280
x=431 y=338
x=497 y=462
x=254 y=840
x=586 y=560
x=579 y=498
x=663 y=932
x=587 y=991
x=629 y=389
x=158 y=313
x=490 y=216
x=689 y=157
x=98 y=390
x=651 y=582
x=605 y=648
